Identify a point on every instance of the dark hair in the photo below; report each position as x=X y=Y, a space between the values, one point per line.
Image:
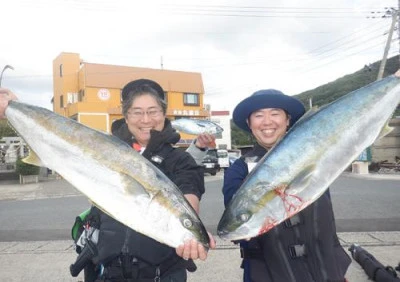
x=141 y=90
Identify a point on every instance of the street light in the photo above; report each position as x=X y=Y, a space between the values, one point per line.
x=5 y=67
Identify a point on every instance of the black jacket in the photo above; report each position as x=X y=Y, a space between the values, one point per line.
x=114 y=237
x=179 y=165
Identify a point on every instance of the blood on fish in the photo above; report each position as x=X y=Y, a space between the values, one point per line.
x=290 y=206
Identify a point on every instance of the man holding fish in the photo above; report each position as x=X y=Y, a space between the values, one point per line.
x=302 y=248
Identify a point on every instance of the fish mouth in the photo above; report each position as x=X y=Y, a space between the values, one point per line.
x=204 y=240
x=222 y=233
x=199 y=232
x=232 y=236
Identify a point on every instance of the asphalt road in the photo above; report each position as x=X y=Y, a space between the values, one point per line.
x=360 y=204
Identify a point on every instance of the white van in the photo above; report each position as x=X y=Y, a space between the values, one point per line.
x=223 y=158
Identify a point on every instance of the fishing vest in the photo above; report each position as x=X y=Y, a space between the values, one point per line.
x=302 y=248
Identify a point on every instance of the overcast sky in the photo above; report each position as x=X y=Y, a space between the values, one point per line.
x=238 y=46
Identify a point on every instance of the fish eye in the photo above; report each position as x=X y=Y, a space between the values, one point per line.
x=243 y=217
x=187 y=223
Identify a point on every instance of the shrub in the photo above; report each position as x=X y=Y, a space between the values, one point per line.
x=26 y=169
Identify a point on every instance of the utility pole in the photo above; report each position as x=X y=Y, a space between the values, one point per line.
x=11 y=68
x=394 y=14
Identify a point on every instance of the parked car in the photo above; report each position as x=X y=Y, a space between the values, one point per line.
x=210 y=162
x=223 y=158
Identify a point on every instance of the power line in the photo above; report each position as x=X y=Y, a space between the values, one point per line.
x=202 y=10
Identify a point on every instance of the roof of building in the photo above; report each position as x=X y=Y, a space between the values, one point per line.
x=100 y=75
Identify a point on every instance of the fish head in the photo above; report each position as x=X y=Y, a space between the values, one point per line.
x=255 y=209
x=194 y=229
x=210 y=127
x=234 y=224
x=218 y=129
x=244 y=224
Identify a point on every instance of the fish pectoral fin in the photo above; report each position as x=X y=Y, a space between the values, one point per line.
x=385 y=130
x=301 y=181
x=33 y=159
x=133 y=187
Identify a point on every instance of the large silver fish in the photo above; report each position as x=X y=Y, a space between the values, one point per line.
x=315 y=151
x=196 y=126
x=110 y=173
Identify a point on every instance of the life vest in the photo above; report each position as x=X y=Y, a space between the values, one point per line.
x=302 y=248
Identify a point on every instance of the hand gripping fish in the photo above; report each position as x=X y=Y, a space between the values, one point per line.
x=314 y=152
x=110 y=173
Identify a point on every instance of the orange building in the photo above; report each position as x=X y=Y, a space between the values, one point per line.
x=91 y=93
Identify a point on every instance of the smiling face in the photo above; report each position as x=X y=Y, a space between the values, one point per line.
x=144 y=114
x=268 y=126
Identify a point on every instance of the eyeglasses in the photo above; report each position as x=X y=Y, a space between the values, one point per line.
x=138 y=114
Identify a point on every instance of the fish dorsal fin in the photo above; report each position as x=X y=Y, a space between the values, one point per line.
x=301 y=180
x=33 y=159
x=386 y=129
x=310 y=112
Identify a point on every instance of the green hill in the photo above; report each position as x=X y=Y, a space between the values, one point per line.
x=331 y=91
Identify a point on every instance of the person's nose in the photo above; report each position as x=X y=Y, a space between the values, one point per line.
x=267 y=119
x=145 y=117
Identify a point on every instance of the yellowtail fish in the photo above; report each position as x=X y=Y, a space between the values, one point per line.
x=314 y=152
x=196 y=126
x=110 y=173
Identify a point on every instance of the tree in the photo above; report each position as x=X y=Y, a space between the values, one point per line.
x=6 y=130
x=26 y=169
x=240 y=137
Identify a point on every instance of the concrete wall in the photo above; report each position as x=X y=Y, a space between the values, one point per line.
x=388 y=147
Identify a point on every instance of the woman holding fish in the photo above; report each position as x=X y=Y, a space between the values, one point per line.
x=147 y=129
x=305 y=247
x=123 y=254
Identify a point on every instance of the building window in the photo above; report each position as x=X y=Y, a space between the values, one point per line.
x=61 y=70
x=166 y=97
x=191 y=99
x=81 y=94
x=62 y=101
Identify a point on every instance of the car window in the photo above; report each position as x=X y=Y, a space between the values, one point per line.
x=222 y=154
x=211 y=156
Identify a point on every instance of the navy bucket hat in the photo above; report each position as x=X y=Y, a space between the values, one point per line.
x=139 y=83
x=268 y=98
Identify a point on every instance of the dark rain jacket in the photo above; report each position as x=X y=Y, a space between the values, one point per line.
x=303 y=248
x=114 y=237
